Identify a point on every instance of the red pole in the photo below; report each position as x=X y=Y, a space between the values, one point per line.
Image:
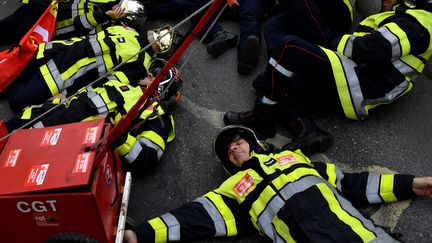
x=126 y=121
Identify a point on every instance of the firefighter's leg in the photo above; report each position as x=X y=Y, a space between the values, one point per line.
x=33 y=92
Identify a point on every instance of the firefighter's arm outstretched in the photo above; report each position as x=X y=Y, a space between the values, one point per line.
x=367 y=188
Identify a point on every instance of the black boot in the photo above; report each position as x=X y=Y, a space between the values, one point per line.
x=222 y=41
x=248 y=54
x=261 y=120
x=308 y=137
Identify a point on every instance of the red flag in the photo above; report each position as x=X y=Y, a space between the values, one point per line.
x=13 y=61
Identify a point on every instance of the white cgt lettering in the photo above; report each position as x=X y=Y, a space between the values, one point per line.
x=37 y=206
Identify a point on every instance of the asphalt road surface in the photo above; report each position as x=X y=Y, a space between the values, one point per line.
x=396 y=137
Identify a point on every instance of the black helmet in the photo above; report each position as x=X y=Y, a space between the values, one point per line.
x=170 y=84
x=229 y=134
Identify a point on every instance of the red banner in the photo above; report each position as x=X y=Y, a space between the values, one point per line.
x=13 y=61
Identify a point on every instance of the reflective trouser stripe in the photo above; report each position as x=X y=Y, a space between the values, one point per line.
x=354 y=223
x=281 y=69
x=160 y=229
x=350 y=8
x=347 y=84
x=173 y=226
x=386 y=188
x=345 y=45
x=396 y=48
x=50 y=77
x=127 y=145
x=215 y=215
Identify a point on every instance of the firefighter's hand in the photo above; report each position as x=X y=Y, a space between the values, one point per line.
x=130 y=237
x=422 y=186
x=116 y=12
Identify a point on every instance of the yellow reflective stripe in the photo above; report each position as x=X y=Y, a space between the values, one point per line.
x=260 y=204
x=331 y=173
x=226 y=213
x=386 y=188
x=341 y=84
x=283 y=230
x=172 y=133
x=342 y=44
x=361 y=33
x=49 y=80
x=64 y=23
x=127 y=145
x=354 y=223
x=41 y=50
x=111 y=105
x=413 y=62
x=160 y=229
x=154 y=137
x=109 y=64
x=91 y=19
x=26 y=113
x=73 y=69
x=348 y=4
x=121 y=76
x=147 y=60
x=298 y=173
x=403 y=39
x=367 y=107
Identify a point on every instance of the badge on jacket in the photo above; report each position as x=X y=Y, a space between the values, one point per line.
x=243 y=185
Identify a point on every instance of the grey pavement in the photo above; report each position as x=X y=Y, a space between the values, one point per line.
x=396 y=137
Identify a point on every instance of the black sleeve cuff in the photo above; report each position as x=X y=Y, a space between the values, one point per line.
x=403 y=187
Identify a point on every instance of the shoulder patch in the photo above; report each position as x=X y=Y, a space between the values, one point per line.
x=242 y=186
x=124 y=88
x=270 y=162
x=286 y=159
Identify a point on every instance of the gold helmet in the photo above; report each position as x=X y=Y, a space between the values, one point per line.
x=161 y=39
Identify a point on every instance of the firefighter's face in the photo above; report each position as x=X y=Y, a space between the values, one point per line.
x=388 y=5
x=239 y=152
x=145 y=82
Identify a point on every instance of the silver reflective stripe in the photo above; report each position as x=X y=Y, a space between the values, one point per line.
x=339 y=176
x=84 y=21
x=382 y=236
x=404 y=68
x=394 y=42
x=98 y=102
x=372 y=188
x=280 y=68
x=393 y=94
x=354 y=85
x=38 y=125
x=217 y=218
x=267 y=216
x=133 y=152
x=149 y=143
x=349 y=46
x=74 y=8
x=173 y=227
x=98 y=55
x=48 y=45
x=69 y=82
x=52 y=67
x=64 y=30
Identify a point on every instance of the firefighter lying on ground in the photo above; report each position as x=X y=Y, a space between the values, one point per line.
x=282 y=195
x=74 y=18
x=68 y=65
x=144 y=144
x=375 y=65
